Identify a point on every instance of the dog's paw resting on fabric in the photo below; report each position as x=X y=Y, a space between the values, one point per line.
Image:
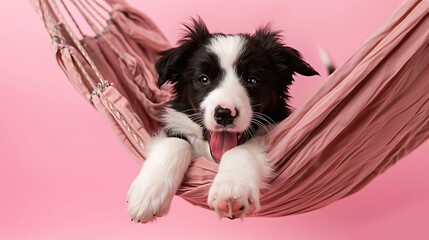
x=148 y=199
x=151 y=192
x=235 y=189
x=229 y=91
x=233 y=197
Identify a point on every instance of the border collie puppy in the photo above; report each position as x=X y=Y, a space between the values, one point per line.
x=229 y=90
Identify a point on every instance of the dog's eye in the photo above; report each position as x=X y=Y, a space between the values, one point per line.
x=204 y=80
x=252 y=80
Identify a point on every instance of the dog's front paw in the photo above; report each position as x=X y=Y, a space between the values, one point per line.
x=233 y=197
x=148 y=199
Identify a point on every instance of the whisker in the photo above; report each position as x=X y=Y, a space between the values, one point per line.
x=266 y=117
x=260 y=124
x=190 y=109
x=251 y=131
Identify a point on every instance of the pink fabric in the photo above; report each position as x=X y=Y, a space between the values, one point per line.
x=371 y=112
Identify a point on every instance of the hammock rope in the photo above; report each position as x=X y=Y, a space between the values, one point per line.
x=366 y=116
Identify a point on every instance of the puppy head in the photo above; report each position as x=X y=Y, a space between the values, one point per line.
x=231 y=84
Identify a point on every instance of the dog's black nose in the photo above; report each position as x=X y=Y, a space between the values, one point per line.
x=224 y=116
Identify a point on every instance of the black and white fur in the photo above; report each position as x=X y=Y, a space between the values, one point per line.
x=227 y=87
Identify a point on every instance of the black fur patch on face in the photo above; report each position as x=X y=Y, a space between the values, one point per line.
x=268 y=96
x=186 y=64
x=173 y=62
x=190 y=90
x=273 y=65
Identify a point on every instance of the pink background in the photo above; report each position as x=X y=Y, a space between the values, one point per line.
x=63 y=175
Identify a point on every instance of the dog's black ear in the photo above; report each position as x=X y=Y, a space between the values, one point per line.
x=173 y=61
x=285 y=59
x=167 y=66
x=297 y=63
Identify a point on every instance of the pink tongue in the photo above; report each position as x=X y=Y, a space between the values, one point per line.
x=220 y=142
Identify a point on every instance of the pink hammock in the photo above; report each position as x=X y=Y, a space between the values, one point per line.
x=366 y=116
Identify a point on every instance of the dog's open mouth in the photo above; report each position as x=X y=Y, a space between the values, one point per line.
x=222 y=141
